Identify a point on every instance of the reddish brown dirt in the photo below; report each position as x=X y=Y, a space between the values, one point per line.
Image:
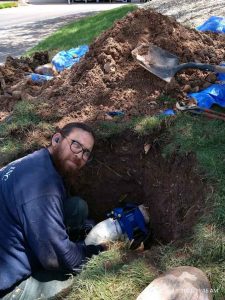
x=171 y=189
x=109 y=79
x=13 y=82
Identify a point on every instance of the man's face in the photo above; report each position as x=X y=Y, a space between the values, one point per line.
x=67 y=162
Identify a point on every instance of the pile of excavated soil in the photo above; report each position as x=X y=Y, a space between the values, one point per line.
x=13 y=80
x=109 y=79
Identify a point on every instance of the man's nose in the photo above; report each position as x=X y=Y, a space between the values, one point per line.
x=79 y=155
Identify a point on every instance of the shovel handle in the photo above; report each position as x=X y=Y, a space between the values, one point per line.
x=208 y=115
x=193 y=65
x=211 y=111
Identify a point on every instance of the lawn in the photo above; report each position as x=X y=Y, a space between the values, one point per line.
x=8 y=4
x=81 y=32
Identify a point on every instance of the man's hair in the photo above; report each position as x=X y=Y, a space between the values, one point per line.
x=68 y=128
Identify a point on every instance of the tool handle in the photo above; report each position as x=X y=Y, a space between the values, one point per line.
x=208 y=115
x=211 y=111
x=193 y=65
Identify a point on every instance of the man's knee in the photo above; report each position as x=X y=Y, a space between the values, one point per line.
x=76 y=212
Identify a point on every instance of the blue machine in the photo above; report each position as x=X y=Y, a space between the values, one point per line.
x=130 y=219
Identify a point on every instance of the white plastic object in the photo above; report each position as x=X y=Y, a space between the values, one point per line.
x=105 y=231
x=109 y=230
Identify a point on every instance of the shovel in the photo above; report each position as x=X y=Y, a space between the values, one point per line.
x=164 y=64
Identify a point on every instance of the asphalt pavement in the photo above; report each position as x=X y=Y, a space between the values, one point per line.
x=23 y=27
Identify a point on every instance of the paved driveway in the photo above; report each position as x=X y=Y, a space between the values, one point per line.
x=23 y=27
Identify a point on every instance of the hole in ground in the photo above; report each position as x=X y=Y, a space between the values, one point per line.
x=122 y=172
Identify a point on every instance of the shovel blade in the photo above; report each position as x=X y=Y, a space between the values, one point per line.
x=156 y=60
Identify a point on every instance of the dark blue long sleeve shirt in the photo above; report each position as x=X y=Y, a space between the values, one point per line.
x=32 y=230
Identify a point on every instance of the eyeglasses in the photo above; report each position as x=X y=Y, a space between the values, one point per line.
x=76 y=148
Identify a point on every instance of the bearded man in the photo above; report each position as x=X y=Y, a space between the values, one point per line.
x=36 y=254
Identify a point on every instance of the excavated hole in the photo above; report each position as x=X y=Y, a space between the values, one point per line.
x=122 y=172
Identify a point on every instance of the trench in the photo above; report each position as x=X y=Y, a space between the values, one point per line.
x=122 y=172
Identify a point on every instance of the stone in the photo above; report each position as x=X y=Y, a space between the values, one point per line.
x=211 y=77
x=206 y=85
x=109 y=68
x=186 y=88
x=16 y=95
x=195 y=89
x=47 y=69
x=180 y=283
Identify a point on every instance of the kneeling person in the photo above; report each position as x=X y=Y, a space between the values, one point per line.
x=35 y=249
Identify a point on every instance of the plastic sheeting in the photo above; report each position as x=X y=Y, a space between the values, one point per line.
x=62 y=60
x=214 y=24
x=39 y=78
x=215 y=94
x=65 y=59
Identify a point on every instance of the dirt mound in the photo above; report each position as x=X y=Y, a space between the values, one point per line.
x=13 y=81
x=109 y=79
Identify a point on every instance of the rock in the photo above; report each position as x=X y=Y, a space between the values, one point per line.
x=181 y=283
x=16 y=95
x=107 y=117
x=47 y=69
x=152 y=104
x=195 y=89
x=211 y=77
x=206 y=85
x=187 y=88
x=109 y=68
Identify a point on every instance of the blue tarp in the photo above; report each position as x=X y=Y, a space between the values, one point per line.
x=39 y=78
x=65 y=59
x=62 y=60
x=215 y=94
x=214 y=24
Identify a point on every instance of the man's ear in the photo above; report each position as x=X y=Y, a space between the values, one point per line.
x=56 y=139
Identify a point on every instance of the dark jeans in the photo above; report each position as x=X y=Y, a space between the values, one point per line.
x=46 y=284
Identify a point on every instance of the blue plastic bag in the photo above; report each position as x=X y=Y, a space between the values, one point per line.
x=39 y=78
x=65 y=59
x=214 y=94
x=168 y=112
x=214 y=24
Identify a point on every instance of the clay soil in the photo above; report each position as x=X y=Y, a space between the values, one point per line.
x=109 y=79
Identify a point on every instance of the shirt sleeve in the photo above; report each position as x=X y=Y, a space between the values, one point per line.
x=46 y=234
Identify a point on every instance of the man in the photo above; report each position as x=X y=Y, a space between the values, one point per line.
x=35 y=250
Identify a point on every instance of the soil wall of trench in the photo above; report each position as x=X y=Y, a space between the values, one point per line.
x=122 y=172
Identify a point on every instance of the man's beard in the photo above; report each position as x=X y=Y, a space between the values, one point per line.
x=68 y=173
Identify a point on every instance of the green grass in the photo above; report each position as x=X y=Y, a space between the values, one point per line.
x=14 y=131
x=109 y=277
x=83 y=31
x=139 y=125
x=206 y=138
x=206 y=249
x=8 y=5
